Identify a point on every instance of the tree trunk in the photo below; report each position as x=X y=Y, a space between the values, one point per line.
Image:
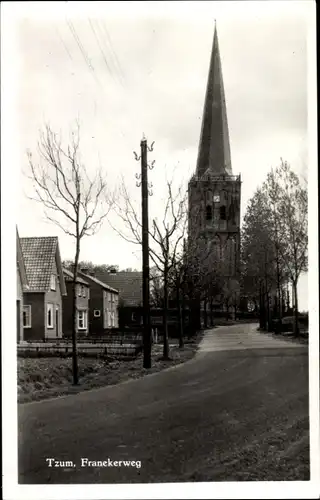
x=262 y=307
x=279 y=312
x=227 y=310
x=296 y=310
x=205 y=318
x=165 y=315
x=283 y=298
x=288 y=298
x=268 y=312
x=180 y=318
x=74 y=316
x=183 y=313
x=194 y=320
x=211 y=312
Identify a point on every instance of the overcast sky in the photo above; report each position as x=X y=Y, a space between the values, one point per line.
x=151 y=79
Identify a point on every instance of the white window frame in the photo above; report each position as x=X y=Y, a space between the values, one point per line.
x=84 y=319
x=95 y=313
x=109 y=319
x=83 y=289
x=28 y=316
x=53 y=282
x=79 y=290
x=50 y=307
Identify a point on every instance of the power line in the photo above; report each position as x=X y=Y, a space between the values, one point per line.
x=64 y=44
x=88 y=61
x=101 y=49
x=82 y=50
x=113 y=52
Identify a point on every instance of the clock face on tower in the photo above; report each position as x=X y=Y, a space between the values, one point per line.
x=216 y=198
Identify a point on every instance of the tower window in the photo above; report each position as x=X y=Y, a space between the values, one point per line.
x=208 y=212
x=223 y=213
x=209 y=197
x=232 y=214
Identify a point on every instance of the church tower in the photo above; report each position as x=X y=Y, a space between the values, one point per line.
x=214 y=192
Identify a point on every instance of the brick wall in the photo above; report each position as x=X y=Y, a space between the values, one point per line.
x=95 y=303
x=37 y=330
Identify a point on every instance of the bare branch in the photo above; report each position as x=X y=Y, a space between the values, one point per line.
x=62 y=185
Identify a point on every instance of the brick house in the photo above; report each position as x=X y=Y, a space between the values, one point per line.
x=82 y=296
x=103 y=305
x=42 y=309
x=129 y=284
x=22 y=284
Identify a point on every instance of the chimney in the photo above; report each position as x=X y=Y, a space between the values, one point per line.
x=113 y=270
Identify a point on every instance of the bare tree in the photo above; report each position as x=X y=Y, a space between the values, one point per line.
x=178 y=282
x=165 y=237
x=258 y=253
x=289 y=201
x=275 y=239
x=156 y=287
x=71 y=200
x=203 y=272
x=191 y=277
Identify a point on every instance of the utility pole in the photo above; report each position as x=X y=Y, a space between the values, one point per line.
x=145 y=192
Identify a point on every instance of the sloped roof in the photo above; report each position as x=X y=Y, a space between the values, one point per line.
x=69 y=277
x=21 y=264
x=101 y=283
x=128 y=283
x=39 y=255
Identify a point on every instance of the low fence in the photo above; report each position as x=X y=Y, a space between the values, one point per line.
x=114 y=338
x=63 y=348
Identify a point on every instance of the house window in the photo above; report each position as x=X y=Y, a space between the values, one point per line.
x=82 y=320
x=112 y=319
x=26 y=314
x=97 y=313
x=223 y=213
x=49 y=315
x=216 y=198
x=79 y=290
x=208 y=212
x=109 y=319
x=53 y=282
x=83 y=291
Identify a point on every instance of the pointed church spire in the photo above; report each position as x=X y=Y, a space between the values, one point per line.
x=214 y=148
